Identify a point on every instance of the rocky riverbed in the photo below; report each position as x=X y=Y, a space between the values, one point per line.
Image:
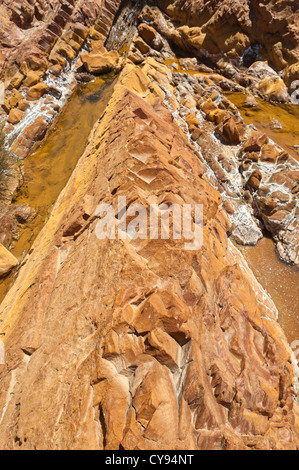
x=140 y=344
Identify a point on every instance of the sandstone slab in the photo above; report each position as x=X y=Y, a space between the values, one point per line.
x=7 y=261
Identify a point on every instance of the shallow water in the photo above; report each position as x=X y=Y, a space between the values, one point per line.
x=263 y=116
x=48 y=168
x=279 y=279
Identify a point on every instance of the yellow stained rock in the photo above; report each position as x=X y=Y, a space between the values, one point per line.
x=37 y=91
x=15 y=116
x=7 y=261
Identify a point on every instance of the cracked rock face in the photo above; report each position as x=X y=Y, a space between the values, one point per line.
x=140 y=344
x=232 y=26
x=39 y=47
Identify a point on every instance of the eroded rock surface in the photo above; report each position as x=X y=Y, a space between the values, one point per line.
x=140 y=344
x=7 y=261
x=236 y=27
x=38 y=35
x=39 y=47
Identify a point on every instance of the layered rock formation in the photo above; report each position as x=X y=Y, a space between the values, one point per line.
x=140 y=344
x=46 y=39
x=7 y=261
x=257 y=172
x=233 y=26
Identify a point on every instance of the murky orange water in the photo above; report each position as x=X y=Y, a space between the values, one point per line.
x=263 y=117
x=280 y=280
x=49 y=167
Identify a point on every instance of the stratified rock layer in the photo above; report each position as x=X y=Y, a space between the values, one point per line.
x=40 y=43
x=7 y=261
x=141 y=344
x=38 y=35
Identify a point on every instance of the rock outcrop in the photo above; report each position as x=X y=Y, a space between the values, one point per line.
x=38 y=35
x=100 y=61
x=140 y=344
x=7 y=261
x=40 y=41
x=236 y=27
x=137 y=342
x=195 y=94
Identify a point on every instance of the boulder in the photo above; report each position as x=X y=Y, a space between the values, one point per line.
x=15 y=116
x=269 y=153
x=254 y=181
x=150 y=36
x=33 y=77
x=250 y=102
x=142 y=46
x=32 y=133
x=16 y=80
x=255 y=142
x=23 y=105
x=233 y=132
x=274 y=89
x=100 y=62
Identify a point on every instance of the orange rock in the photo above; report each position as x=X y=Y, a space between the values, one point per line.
x=153 y=343
x=233 y=132
x=269 y=153
x=255 y=180
x=32 y=133
x=255 y=143
x=7 y=261
x=142 y=46
x=23 y=105
x=32 y=78
x=37 y=91
x=274 y=89
x=15 y=116
x=16 y=80
x=250 y=102
x=150 y=35
x=228 y=26
x=147 y=345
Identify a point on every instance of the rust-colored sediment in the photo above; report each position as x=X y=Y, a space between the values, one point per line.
x=279 y=122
